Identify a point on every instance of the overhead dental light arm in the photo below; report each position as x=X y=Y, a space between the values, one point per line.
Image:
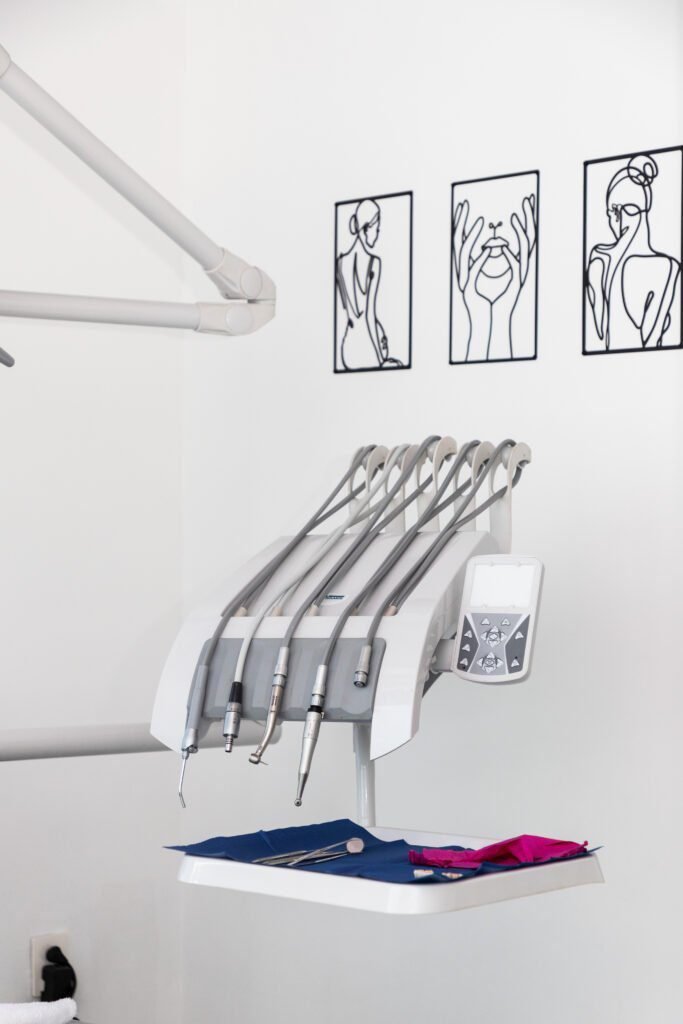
x=249 y=292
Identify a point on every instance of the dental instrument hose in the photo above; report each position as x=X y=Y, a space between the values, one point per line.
x=399 y=594
x=190 y=740
x=417 y=571
x=314 y=714
x=315 y=711
x=233 y=710
x=372 y=530
x=281 y=667
x=406 y=587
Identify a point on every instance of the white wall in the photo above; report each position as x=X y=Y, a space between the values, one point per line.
x=90 y=510
x=345 y=100
x=134 y=476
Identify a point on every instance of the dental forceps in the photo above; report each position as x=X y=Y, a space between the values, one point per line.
x=324 y=853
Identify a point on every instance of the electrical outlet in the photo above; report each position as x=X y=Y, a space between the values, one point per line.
x=39 y=947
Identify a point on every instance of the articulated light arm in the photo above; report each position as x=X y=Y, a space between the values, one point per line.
x=249 y=292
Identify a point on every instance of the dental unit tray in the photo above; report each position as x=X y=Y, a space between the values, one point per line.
x=392 y=897
x=474 y=586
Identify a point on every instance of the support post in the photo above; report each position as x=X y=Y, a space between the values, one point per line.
x=365 y=775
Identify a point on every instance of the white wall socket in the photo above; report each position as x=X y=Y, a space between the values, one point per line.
x=38 y=948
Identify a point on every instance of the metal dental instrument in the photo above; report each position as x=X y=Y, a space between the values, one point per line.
x=190 y=741
x=183 y=764
x=280 y=674
x=353 y=845
x=285 y=862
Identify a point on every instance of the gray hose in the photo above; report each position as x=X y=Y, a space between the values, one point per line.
x=362 y=541
x=399 y=550
x=201 y=675
x=416 y=572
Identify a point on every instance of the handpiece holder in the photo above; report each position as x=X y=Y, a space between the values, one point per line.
x=418 y=639
x=412 y=648
x=248 y=291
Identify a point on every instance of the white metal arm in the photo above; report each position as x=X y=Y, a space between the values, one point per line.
x=249 y=292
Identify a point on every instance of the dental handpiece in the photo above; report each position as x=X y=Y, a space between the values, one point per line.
x=314 y=717
x=190 y=741
x=233 y=716
x=276 y=692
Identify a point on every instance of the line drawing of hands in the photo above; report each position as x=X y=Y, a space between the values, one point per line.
x=519 y=264
x=464 y=241
x=467 y=270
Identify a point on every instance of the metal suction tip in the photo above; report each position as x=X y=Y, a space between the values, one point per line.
x=297 y=802
x=5 y=358
x=182 y=779
x=228 y=745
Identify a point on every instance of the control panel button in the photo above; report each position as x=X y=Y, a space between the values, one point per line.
x=516 y=647
x=494 y=636
x=489 y=663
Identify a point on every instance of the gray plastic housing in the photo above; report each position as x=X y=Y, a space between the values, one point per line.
x=344 y=702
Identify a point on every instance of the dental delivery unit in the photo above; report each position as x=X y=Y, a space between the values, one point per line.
x=402 y=574
x=413 y=579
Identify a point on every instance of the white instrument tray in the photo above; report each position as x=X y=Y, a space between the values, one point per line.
x=390 y=897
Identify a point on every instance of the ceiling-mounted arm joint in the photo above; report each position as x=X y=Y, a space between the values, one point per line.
x=236 y=279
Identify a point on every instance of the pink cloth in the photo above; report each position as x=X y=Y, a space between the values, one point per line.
x=507 y=853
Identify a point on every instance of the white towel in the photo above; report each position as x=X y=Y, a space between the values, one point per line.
x=60 y=1012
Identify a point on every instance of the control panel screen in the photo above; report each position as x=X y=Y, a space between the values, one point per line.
x=502 y=586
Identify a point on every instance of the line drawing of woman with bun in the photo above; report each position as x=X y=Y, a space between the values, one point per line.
x=629 y=283
x=364 y=344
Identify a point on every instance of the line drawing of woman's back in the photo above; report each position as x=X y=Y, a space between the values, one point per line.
x=630 y=284
x=364 y=344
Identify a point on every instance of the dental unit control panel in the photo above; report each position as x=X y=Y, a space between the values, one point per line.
x=412 y=579
x=498 y=618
